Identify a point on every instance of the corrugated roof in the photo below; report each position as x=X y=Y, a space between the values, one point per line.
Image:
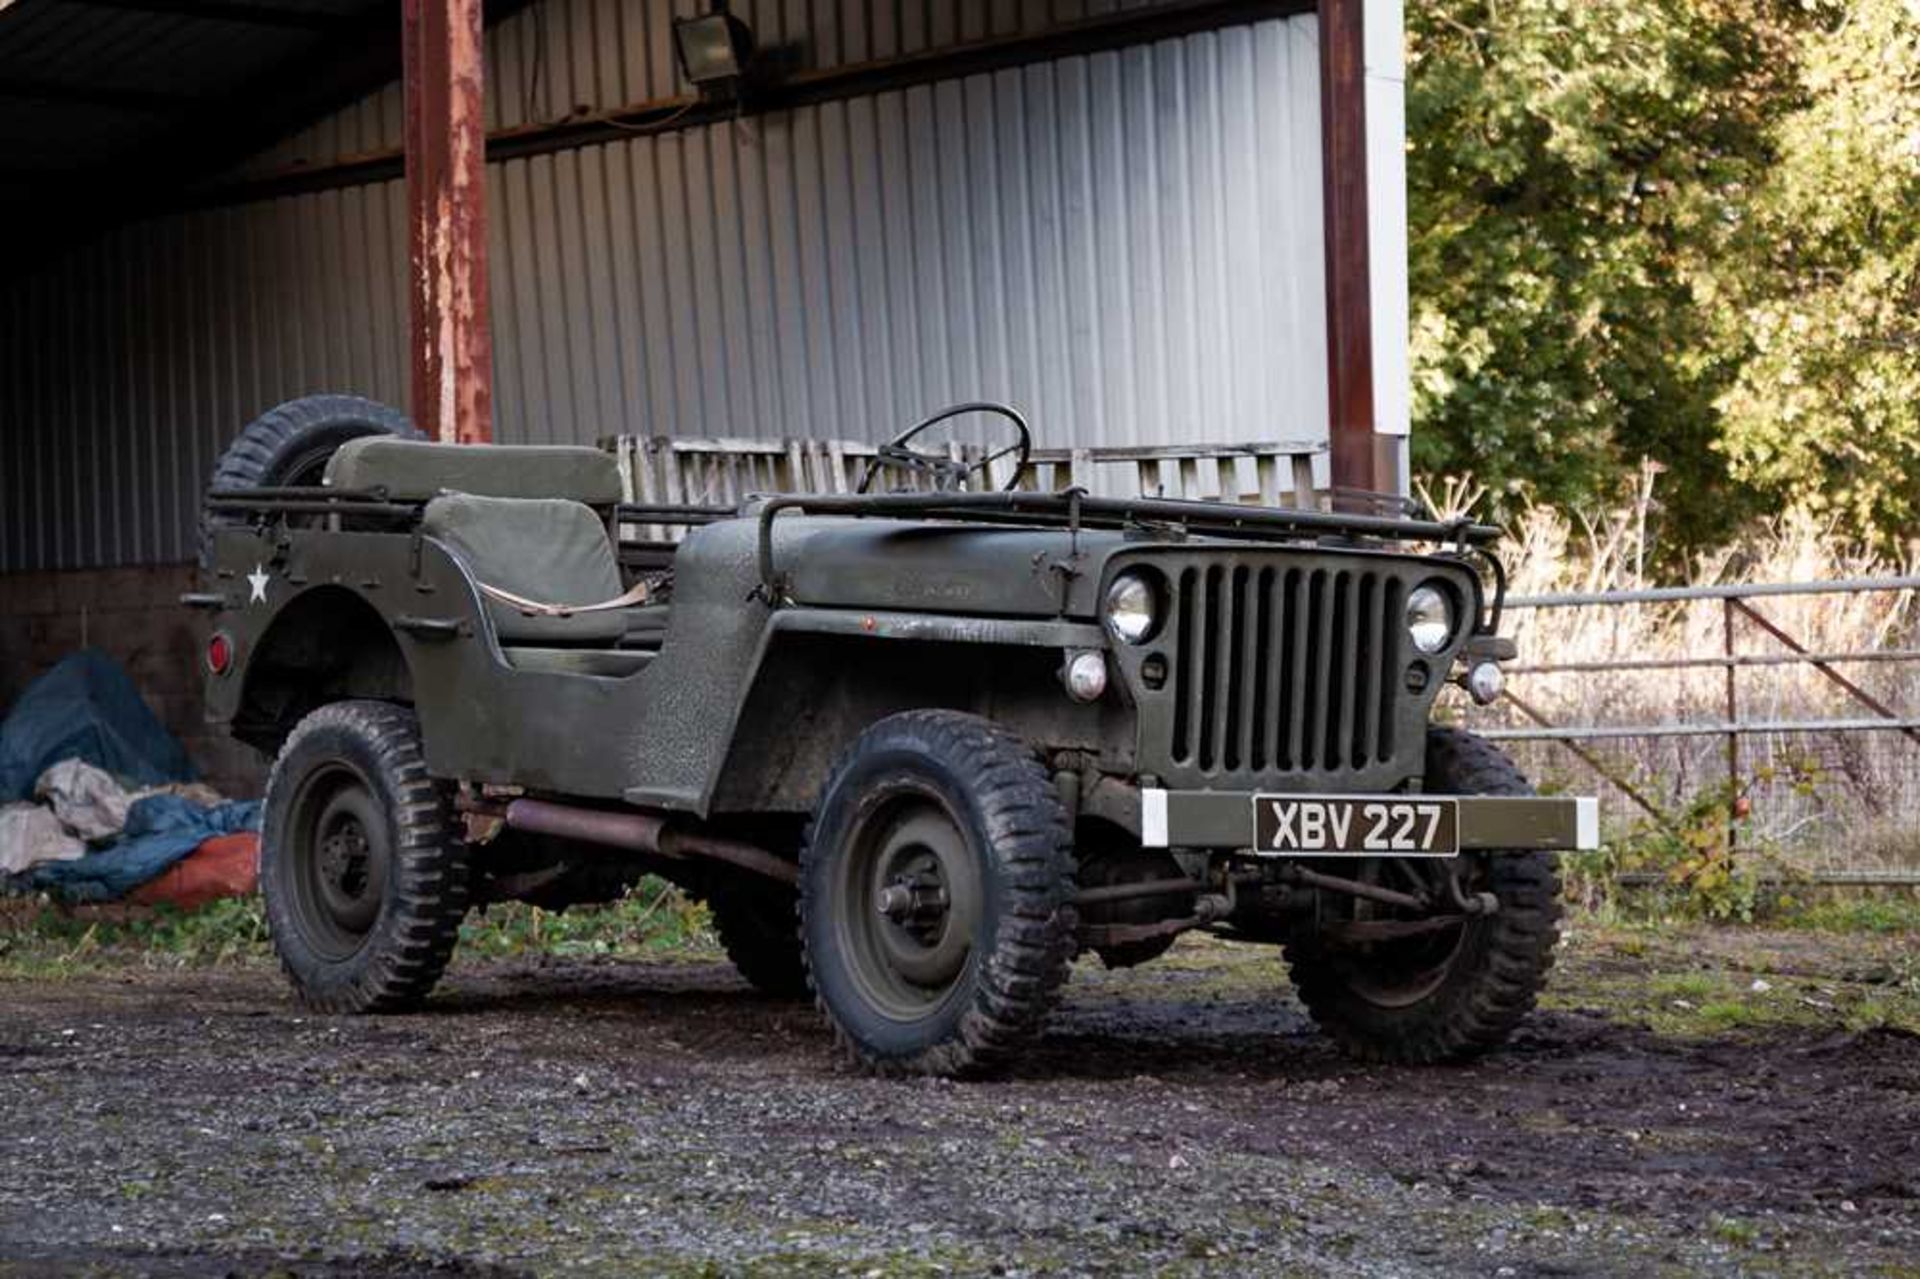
x=113 y=102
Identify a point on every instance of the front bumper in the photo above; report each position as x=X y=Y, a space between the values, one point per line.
x=1224 y=819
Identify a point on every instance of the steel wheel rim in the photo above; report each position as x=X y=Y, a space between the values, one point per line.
x=340 y=859
x=907 y=963
x=307 y=471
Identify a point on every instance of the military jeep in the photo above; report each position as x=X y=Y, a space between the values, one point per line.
x=917 y=748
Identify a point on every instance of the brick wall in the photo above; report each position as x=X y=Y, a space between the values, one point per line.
x=134 y=614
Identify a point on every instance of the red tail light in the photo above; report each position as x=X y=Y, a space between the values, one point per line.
x=219 y=653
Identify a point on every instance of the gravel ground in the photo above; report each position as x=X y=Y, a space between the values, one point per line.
x=625 y=1118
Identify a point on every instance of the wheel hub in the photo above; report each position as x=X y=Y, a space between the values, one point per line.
x=918 y=903
x=338 y=860
x=916 y=899
x=343 y=859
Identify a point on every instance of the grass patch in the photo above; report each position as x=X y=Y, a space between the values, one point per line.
x=1703 y=981
x=1856 y=911
x=1737 y=1233
x=654 y=919
x=1694 y=986
x=38 y=940
x=1802 y=907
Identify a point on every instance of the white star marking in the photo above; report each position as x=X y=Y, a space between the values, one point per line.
x=258 y=581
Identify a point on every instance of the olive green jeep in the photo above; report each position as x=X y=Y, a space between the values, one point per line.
x=917 y=749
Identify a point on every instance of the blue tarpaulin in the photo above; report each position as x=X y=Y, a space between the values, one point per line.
x=86 y=707
x=160 y=830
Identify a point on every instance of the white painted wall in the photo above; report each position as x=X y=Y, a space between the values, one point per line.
x=1387 y=221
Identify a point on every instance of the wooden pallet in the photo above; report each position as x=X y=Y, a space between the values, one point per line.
x=725 y=472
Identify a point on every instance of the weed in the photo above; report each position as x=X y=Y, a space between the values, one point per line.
x=1691 y=986
x=1728 y=1014
x=653 y=918
x=1731 y=1230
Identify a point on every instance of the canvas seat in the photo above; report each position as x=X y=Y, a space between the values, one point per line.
x=608 y=663
x=548 y=549
x=419 y=470
x=646 y=626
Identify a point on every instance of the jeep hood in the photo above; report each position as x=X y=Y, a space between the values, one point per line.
x=834 y=562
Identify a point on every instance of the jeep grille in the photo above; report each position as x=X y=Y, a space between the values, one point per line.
x=1285 y=669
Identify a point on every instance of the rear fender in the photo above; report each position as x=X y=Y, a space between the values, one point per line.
x=324 y=645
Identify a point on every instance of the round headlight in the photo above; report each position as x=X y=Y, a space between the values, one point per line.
x=1484 y=682
x=1429 y=618
x=1133 y=607
x=1086 y=676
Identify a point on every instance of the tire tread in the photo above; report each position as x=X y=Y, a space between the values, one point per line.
x=416 y=939
x=1024 y=973
x=1518 y=945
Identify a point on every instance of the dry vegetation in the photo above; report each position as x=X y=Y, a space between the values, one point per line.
x=1805 y=802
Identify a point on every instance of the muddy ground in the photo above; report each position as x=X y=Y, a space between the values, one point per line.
x=1718 y=1102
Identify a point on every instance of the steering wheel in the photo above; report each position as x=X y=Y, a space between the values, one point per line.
x=949 y=473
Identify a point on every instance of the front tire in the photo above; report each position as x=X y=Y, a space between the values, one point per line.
x=936 y=895
x=1454 y=993
x=364 y=878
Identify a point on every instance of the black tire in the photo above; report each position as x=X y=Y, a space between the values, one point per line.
x=1454 y=994
x=757 y=928
x=364 y=876
x=289 y=445
x=963 y=809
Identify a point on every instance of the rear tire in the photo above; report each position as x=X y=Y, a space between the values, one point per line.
x=1454 y=994
x=290 y=445
x=364 y=878
x=936 y=895
x=757 y=926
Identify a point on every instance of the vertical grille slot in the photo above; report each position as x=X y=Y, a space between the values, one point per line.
x=1207 y=690
x=1279 y=669
x=1263 y=609
x=1293 y=693
x=1236 y=689
x=1392 y=609
x=1322 y=692
x=1366 y=690
x=1186 y=657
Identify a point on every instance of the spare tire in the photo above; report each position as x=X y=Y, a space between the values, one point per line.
x=289 y=446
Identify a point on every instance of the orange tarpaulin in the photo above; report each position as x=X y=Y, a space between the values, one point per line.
x=224 y=866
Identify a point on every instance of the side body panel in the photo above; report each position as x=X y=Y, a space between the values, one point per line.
x=660 y=732
x=951 y=595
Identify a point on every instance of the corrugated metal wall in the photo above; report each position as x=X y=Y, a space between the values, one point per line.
x=126 y=369
x=1127 y=244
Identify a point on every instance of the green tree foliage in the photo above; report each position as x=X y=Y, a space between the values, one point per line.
x=1822 y=296
x=1634 y=234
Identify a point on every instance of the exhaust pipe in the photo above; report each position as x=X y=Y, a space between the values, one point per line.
x=638 y=832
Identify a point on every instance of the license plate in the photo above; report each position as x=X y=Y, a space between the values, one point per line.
x=1291 y=826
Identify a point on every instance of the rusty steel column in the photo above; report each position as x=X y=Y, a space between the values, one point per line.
x=449 y=344
x=1343 y=184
